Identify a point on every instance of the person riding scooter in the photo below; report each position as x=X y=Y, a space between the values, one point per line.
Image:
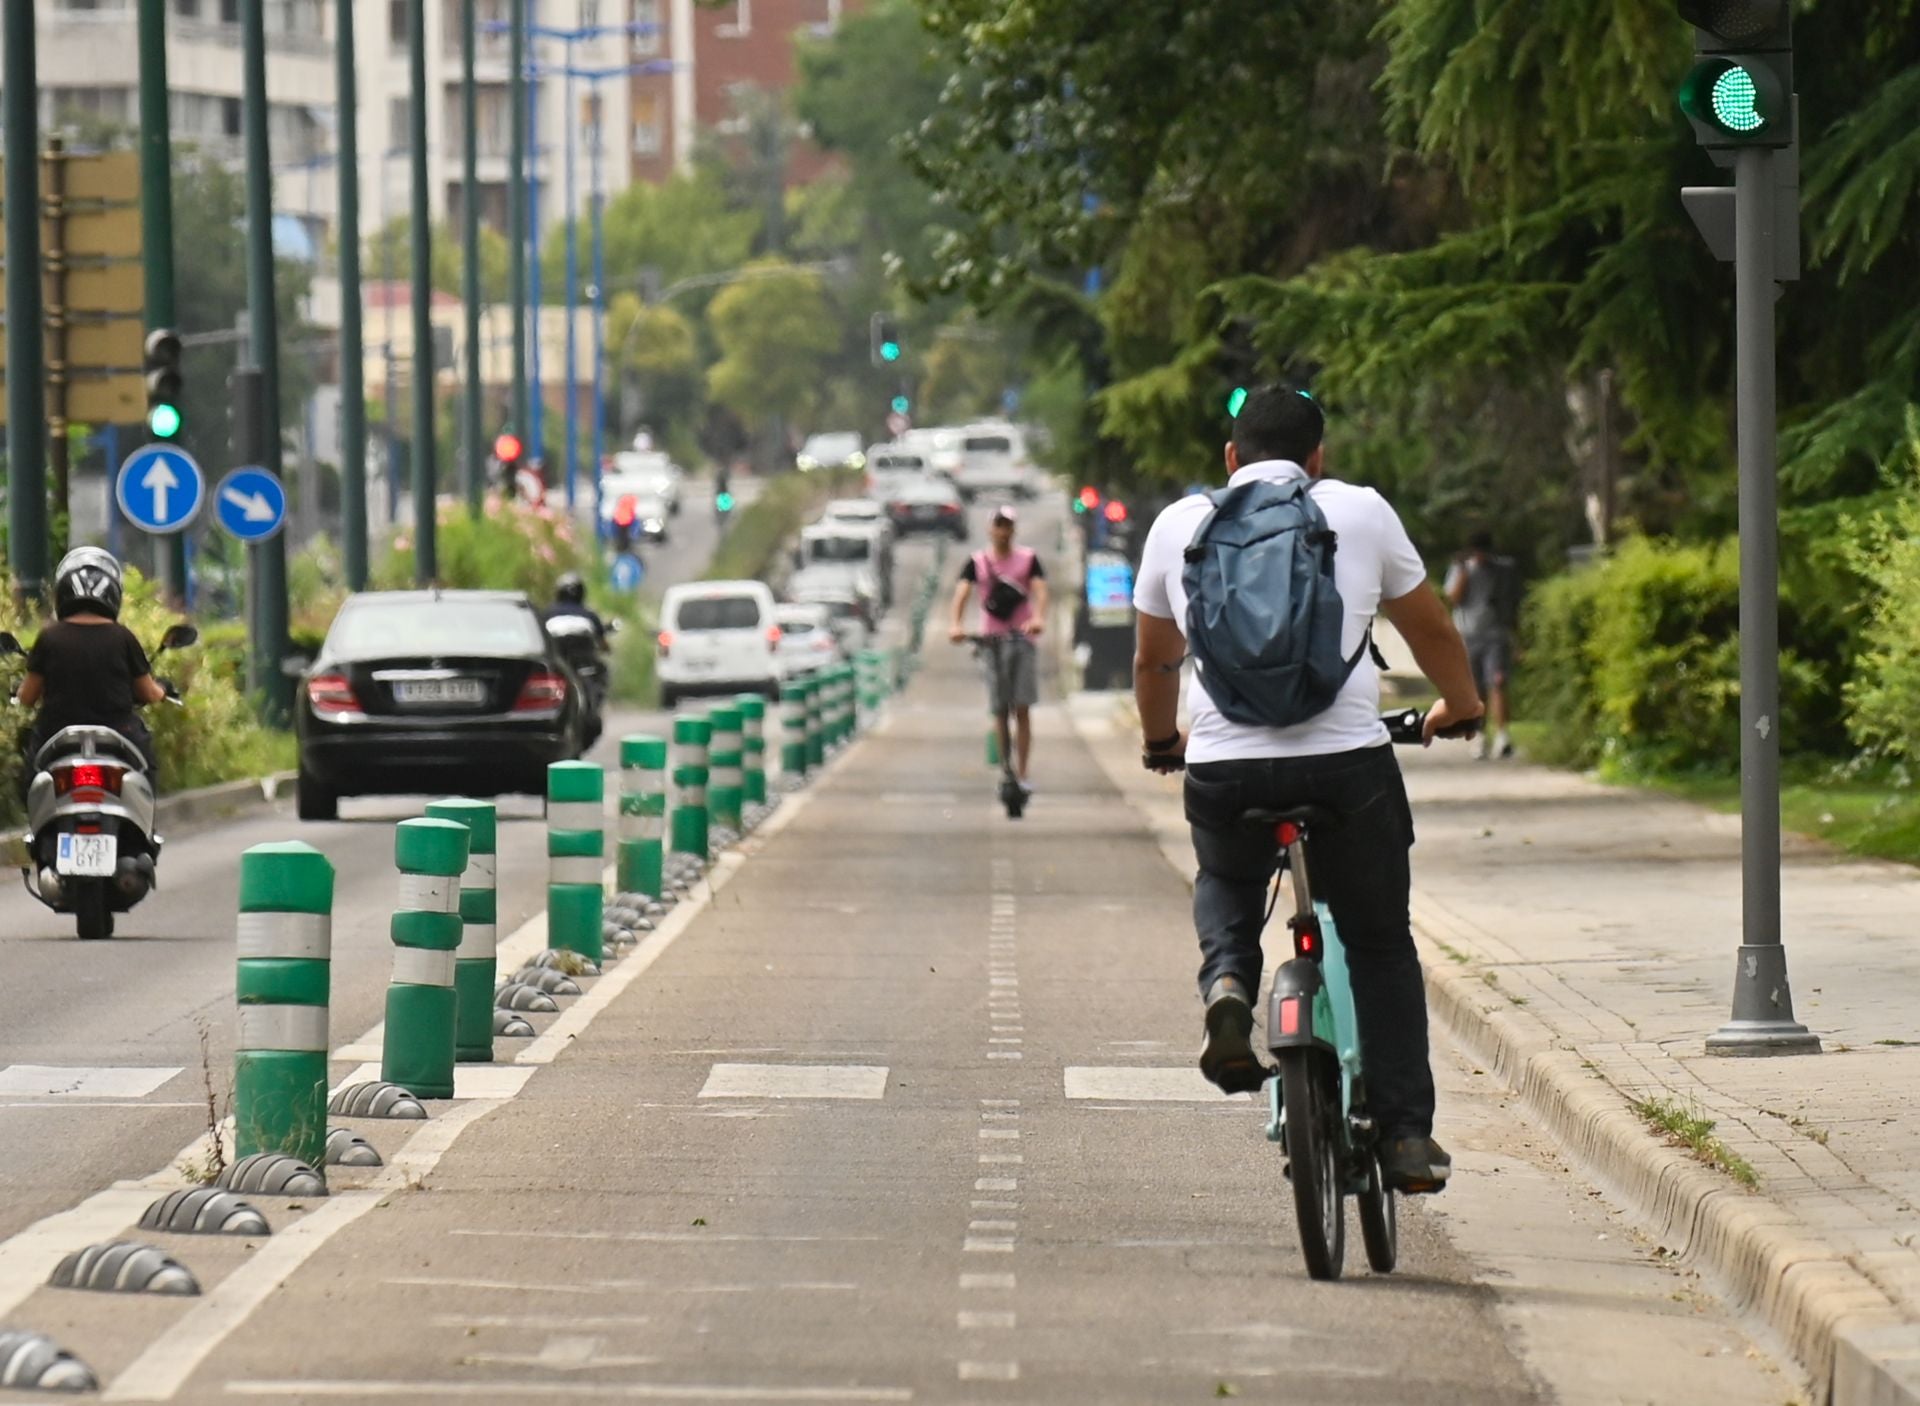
x=86 y=668
x=570 y=598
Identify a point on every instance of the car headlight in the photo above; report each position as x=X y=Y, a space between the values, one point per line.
x=807 y=461
x=859 y=461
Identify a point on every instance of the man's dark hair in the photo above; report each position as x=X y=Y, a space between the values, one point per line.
x=1278 y=422
x=1481 y=541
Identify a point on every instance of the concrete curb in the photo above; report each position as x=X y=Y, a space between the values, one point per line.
x=225 y=800
x=1829 y=1318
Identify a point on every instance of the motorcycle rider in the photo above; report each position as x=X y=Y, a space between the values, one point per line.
x=86 y=668
x=570 y=598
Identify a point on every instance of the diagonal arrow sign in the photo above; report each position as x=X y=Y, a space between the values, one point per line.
x=254 y=507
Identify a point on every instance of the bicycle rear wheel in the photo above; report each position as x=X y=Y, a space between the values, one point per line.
x=1313 y=1152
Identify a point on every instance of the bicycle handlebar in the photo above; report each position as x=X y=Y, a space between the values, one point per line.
x=1406 y=727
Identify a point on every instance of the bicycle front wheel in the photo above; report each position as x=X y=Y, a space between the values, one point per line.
x=1313 y=1152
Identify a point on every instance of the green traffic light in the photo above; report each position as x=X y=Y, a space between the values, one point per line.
x=1235 y=401
x=889 y=351
x=901 y=405
x=1735 y=100
x=1739 y=100
x=164 y=420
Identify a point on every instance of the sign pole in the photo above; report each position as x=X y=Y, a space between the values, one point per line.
x=156 y=217
x=26 y=406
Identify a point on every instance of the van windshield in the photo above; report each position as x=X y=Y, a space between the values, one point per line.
x=719 y=613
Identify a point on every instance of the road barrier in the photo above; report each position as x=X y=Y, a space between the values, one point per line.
x=753 y=747
x=576 y=856
x=474 y=960
x=817 y=720
x=283 y=982
x=689 y=818
x=725 y=775
x=418 y=1050
x=643 y=814
x=793 y=729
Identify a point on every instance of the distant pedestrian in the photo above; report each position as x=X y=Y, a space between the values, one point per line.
x=1484 y=591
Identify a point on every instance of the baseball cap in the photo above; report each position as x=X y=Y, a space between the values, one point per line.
x=1004 y=513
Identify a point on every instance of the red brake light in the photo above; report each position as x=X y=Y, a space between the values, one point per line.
x=86 y=776
x=773 y=637
x=1307 y=941
x=665 y=640
x=543 y=692
x=331 y=695
x=626 y=510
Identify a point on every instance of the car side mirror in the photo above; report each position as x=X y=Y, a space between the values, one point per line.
x=294 y=665
x=9 y=646
x=178 y=636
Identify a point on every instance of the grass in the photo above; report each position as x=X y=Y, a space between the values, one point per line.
x=1687 y=1128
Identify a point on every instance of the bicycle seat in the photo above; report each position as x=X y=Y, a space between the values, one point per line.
x=1309 y=818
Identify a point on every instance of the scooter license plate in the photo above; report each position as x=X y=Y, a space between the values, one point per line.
x=86 y=856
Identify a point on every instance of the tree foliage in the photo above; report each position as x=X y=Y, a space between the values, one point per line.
x=770 y=329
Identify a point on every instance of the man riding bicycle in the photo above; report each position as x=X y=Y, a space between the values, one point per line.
x=1339 y=759
x=1013 y=610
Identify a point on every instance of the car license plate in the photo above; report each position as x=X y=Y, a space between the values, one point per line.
x=419 y=691
x=86 y=856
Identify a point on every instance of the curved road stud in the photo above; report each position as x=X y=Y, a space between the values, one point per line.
x=474 y=959
x=283 y=983
x=689 y=820
x=643 y=814
x=426 y=928
x=576 y=855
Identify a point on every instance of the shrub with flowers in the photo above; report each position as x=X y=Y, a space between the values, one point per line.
x=511 y=546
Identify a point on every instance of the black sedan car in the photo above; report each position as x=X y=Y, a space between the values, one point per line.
x=456 y=692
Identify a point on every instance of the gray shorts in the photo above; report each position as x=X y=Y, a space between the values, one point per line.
x=1016 y=682
x=1490 y=656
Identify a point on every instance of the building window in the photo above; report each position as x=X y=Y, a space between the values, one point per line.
x=741 y=25
x=399 y=124
x=397 y=23
x=589 y=14
x=187 y=9
x=646 y=34
x=647 y=136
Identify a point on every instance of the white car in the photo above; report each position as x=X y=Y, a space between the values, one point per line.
x=650 y=469
x=849 y=556
x=717 y=637
x=838 y=449
x=927 y=503
x=889 y=465
x=807 y=640
x=861 y=512
x=939 y=446
x=633 y=501
x=847 y=616
x=994 y=460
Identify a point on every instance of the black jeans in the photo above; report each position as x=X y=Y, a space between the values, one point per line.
x=1360 y=871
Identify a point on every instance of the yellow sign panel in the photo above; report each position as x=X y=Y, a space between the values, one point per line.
x=110 y=175
x=99 y=287
x=102 y=231
x=115 y=345
x=107 y=400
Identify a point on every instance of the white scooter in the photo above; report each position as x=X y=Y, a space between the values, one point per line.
x=90 y=814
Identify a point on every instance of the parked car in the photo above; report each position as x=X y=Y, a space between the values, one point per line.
x=807 y=639
x=836 y=449
x=434 y=691
x=717 y=637
x=927 y=503
x=994 y=460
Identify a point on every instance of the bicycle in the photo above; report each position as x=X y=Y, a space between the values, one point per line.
x=1013 y=793
x=1316 y=1096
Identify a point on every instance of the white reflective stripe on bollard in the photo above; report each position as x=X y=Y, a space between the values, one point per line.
x=690 y=755
x=643 y=827
x=422 y=966
x=693 y=795
x=429 y=893
x=302 y=1028
x=575 y=869
x=576 y=815
x=483 y=871
x=298 y=936
x=478 y=942
x=726 y=776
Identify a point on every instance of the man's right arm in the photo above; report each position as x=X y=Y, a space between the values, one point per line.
x=956 y=628
x=1423 y=622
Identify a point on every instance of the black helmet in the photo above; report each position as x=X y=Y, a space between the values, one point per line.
x=87 y=579
x=570 y=589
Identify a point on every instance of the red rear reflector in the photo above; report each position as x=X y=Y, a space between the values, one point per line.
x=331 y=694
x=542 y=692
x=1290 y=1015
x=665 y=640
x=1289 y=834
x=86 y=776
x=1309 y=939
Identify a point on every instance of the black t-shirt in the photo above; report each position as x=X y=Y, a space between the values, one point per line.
x=88 y=672
x=971 y=571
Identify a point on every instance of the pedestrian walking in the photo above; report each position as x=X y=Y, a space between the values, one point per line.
x=1483 y=589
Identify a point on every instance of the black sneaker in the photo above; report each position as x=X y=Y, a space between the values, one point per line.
x=1226 y=1056
x=1415 y=1166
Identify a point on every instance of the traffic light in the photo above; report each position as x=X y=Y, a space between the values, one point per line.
x=161 y=362
x=1088 y=500
x=885 y=338
x=901 y=405
x=1235 y=401
x=508 y=449
x=1739 y=91
x=1116 y=511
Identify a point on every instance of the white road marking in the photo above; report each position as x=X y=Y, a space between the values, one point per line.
x=566 y=1352
x=602 y=1286
x=860 y=1081
x=984 y=1318
x=1003 y=1054
x=997 y=1133
x=538 y=1320
x=1144 y=1084
x=82 y=1081
x=999 y=1103
x=69 y=1104
x=997 y=1184
x=981 y=1245
x=658 y=1237
x=508 y=1388
x=1002 y=1227
x=1000 y=1159
x=989 y=1371
x=986 y=1281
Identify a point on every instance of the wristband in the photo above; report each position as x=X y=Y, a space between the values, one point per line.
x=1164 y=743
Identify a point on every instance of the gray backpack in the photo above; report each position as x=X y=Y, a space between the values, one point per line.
x=1263 y=614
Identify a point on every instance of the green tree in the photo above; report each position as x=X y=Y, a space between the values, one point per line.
x=772 y=328
x=389 y=253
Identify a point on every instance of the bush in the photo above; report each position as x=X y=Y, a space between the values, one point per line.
x=759 y=530
x=1634 y=662
x=510 y=547
x=215 y=737
x=1883 y=696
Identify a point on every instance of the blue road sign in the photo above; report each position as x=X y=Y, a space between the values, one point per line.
x=251 y=504
x=160 y=488
x=628 y=572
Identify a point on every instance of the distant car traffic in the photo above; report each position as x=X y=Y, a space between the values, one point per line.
x=837 y=449
x=927 y=503
x=634 y=504
x=648 y=471
x=940 y=446
x=889 y=465
x=455 y=692
x=807 y=639
x=717 y=637
x=848 y=614
x=994 y=459
x=838 y=557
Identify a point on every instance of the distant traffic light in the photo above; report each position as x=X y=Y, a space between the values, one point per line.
x=161 y=355
x=1739 y=91
x=884 y=336
x=507 y=448
x=1235 y=401
x=1116 y=511
x=1088 y=500
x=901 y=405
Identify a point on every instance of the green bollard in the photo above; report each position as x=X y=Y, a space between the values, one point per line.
x=474 y=967
x=793 y=728
x=725 y=771
x=283 y=980
x=753 y=747
x=689 y=819
x=576 y=857
x=418 y=1052
x=817 y=720
x=643 y=814
x=845 y=703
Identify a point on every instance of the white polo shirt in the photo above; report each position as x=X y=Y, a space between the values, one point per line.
x=1375 y=561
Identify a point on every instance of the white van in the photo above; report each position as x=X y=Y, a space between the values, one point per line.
x=717 y=637
x=994 y=460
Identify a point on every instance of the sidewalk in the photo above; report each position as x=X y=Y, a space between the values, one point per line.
x=1581 y=939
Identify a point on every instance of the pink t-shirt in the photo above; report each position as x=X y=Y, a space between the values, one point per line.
x=1017 y=567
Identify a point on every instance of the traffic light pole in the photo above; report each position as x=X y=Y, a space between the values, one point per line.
x=353 y=387
x=516 y=212
x=156 y=224
x=472 y=444
x=425 y=524
x=26 y=408
x=1763 y=1021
